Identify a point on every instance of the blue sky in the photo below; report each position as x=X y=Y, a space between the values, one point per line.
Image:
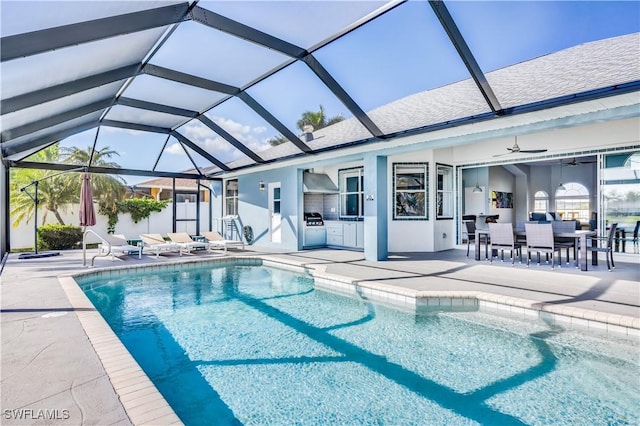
x=399 y=54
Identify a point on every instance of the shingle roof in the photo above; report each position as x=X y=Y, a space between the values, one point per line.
x=577 y=69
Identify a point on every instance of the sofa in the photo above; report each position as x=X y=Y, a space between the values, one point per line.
x=544 y=217
x=549 y=217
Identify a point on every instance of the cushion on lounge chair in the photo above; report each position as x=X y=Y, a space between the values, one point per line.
x=116 y=244
x=216 y=240
x=185 y=241
x=156 y=243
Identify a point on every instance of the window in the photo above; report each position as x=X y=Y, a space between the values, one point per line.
x=410 y=191
x=541 y=202
x=444 y=192
x=231 y=197
x=276 y=200
x=186 y=198
x=351 y=193
x=572 y=203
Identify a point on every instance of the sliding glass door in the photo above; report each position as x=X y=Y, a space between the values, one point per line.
x=620 y=194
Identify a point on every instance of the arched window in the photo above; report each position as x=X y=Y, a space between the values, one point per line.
x=541 y=202
x=572 y=202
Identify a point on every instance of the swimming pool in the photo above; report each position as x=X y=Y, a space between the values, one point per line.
x=257 y=345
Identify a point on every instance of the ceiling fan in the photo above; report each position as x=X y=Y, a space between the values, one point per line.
x=574 y=163
x=515 y=149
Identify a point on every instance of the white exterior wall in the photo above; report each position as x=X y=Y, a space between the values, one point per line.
x=161 y=223
x=411 y=235
x=503 y=181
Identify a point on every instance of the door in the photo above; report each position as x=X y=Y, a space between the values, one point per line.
x=186 y=212
x=274 y=212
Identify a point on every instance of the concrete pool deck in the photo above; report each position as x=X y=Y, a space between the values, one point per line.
x=60 y=366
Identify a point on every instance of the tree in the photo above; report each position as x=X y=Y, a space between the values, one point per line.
x=106 y=188
x=62 y=189
x=53 y=193
x=316 y=119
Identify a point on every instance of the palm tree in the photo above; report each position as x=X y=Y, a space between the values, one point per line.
x=53 y=193
x=106 y=188
x=60 y=190
x=316 y=119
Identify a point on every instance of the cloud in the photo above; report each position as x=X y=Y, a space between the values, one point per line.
x=218 y=146
x=174 y=148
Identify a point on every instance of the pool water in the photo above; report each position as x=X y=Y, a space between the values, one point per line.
x=256 y=345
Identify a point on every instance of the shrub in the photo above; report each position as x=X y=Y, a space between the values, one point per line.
x=59 y=237
x=138 y=208
x=141 y=208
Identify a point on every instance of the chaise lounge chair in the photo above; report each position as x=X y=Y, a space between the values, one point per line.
x=116 y=245
x=157 y=244
x=185 y=242
x=216 y=240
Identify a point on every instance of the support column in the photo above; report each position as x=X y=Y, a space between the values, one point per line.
x=4 y=210
x=376 y=202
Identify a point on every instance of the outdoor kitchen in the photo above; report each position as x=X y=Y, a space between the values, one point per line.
x=322 y=224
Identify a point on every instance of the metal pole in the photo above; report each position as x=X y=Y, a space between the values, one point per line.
x=175 y=207
x=197 y=206
x=35 y=219
x=6 y=226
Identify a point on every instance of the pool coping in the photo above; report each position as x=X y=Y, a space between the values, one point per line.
x=143 y=402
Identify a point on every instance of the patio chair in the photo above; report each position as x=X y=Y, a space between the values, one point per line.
x=502 y=239
x=540 y=240
x=565 y=226
x=471 y=233
x=117 y=245
x=471 y=237
x=157 y=244
x=218 y=241
x=187 y=243
x=606 y=249
x=634 y=238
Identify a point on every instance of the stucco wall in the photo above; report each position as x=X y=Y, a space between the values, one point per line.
x=501 y=180
x=23 y=235
x=411 y=235
x=253 y=206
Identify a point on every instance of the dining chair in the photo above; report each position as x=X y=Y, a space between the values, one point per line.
x=568 y=243
x=540 y=240
x=471 y=233
x=606 y=249
x=634 y=239
x=471 y=237
x=502 y=239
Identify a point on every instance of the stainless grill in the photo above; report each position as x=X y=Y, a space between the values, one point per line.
x=313 y=219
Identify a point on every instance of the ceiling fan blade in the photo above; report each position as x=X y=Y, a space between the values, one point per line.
x=533 y=151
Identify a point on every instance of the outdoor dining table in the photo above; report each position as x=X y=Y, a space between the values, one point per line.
x=579 y=236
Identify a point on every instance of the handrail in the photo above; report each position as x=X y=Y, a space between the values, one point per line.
x=84 y=247
x=3 y=262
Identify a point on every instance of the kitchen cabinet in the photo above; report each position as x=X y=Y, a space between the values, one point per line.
x=349 y=233
x=334 y=233
x=345 y=234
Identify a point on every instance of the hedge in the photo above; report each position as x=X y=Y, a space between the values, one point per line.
x=59 y=237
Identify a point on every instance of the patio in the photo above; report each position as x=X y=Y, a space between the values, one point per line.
x=48 y=363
